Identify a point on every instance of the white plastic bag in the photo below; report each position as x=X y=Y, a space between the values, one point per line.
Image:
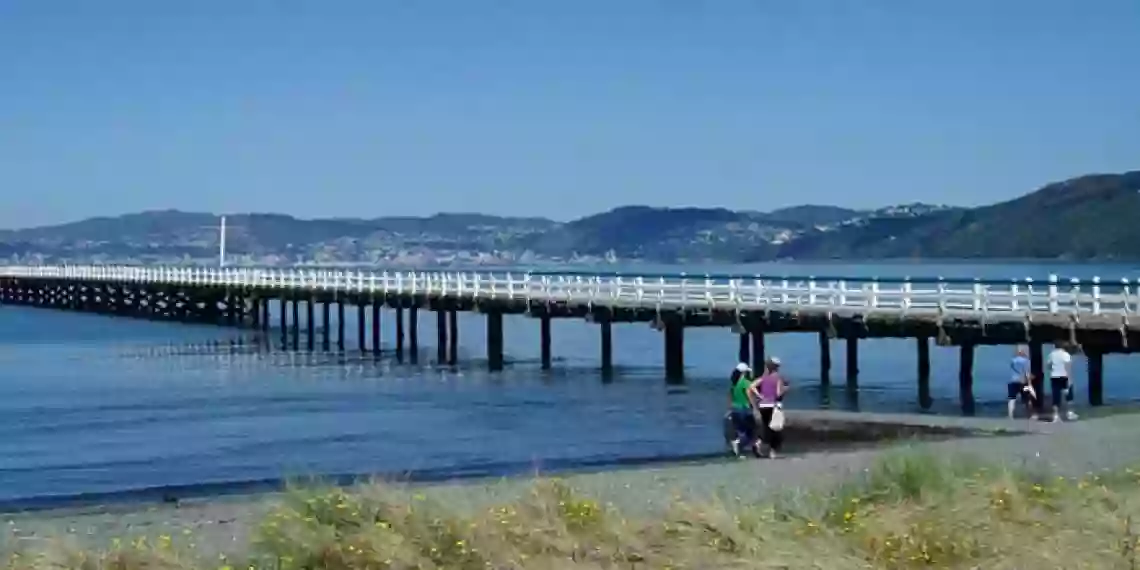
x=777 y=423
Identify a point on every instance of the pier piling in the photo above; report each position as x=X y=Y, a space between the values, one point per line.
x=852 y=355
x=296 y=324
x=376 y=323
x=414 y=333
x=824 y=359
x=1037 y=369
x=283 y=304
x=326 y=322
x=441 y=337
x=607 y=332
x=758 y=351
x=966 y=377
x=742 y=349
x=309 y=324
x=340 y=325
x=674 y=349
x=1096 y=377
x=544 y=340
x=924 y=400
x=361 y=339
x=452 y=338
x=399 y=333
x=495 y=341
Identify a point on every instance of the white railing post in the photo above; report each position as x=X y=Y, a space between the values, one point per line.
x=874 y=293
x=907 y=291
x=1053 y=304
x=1013 y=293
x=811 y=291
x=842 y=292
x=1075 y=294
x=1096 y=295
x=978 y=305
x=1126 y=296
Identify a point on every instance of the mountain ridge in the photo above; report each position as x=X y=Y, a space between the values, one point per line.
x=1087 y=217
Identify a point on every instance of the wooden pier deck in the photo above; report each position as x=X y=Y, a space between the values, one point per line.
x=1097 y=316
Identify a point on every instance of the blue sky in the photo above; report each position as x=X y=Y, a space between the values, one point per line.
x=554 y=108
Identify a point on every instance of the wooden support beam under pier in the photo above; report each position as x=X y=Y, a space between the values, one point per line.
x=1096 y=377
x=852 y=354
x=296 y=324
x=399 y=333
x=310 y=324
x=340 y=325
x=1037 y=369
x=674 y=349
x=966 y=378
x=495 y=341
x=326 y=321
x=440 y=337
x=376 y=323
x=254 y=312
x=282 y=304
x=758 y=351
x=824 y=359
x=361 y=337
x=743 y=347
x=924 y=400
x=414 y=333
x=544 y=340
x=453 y=338
x=607 y=336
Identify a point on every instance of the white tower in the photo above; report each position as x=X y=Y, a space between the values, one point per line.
x=222 y=243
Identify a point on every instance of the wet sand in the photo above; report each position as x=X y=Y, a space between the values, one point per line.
x=822 y=446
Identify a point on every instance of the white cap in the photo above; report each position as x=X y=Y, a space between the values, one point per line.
x=743 y=367
x=774 y=360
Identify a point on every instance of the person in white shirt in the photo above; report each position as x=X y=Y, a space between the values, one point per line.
x=1060 y=381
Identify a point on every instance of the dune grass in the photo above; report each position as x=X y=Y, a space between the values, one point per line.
x=911 y=510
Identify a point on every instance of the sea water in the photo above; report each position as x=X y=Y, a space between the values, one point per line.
x=92 y=406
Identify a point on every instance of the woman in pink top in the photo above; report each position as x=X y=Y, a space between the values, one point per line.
x=767 y=391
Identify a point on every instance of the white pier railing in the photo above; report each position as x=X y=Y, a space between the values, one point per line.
x=981 y=299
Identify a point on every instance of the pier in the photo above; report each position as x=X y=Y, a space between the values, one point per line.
x=1098 y=317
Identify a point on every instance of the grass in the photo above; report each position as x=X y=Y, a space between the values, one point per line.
x=911 y=510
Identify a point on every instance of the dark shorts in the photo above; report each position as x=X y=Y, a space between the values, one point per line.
x=1015 y=390
x=1058 y=388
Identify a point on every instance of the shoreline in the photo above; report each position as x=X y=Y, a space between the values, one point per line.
x=217 y=524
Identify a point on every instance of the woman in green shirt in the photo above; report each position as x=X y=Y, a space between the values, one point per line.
x=740 y=409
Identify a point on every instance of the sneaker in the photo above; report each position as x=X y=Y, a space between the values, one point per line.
x=736 y=447
x=1056 y=419
x=1072 y=417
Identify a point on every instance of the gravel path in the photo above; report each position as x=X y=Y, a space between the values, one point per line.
x=223 y=524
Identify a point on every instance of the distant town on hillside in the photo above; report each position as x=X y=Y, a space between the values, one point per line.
x=1084 y=218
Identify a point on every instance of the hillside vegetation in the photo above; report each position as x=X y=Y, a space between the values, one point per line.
x=1090 y=217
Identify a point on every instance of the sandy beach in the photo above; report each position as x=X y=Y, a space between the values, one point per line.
x=224 y=524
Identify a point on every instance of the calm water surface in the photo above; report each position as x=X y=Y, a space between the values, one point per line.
x=91 y=405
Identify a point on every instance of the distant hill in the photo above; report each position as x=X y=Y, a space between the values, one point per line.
x=1090 y=217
